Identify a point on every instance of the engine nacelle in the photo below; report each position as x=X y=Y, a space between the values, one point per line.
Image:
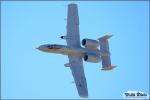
x=89 y=43
x=92 y=58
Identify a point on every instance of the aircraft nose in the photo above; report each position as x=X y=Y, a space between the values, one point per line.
x=42 y=48
x=39 y=48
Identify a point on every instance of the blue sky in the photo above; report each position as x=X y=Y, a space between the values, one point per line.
x=27 y=73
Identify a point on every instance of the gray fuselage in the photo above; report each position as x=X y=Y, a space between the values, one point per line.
x=66 y=50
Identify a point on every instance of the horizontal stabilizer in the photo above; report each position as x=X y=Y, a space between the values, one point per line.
x=105 y=53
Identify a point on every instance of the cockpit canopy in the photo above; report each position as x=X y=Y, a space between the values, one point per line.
x=47 y=47
x=53 y=46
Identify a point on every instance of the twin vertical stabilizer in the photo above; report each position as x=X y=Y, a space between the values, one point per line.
x=105 y=53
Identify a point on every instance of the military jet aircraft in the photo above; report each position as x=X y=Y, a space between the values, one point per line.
x=75 y=52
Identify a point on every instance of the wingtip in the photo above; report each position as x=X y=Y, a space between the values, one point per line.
x=83 y=97
x=108 y=68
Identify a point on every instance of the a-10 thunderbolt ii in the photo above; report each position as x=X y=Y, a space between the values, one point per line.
x=75 y=52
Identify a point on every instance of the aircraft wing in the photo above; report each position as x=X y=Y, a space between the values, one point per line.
x=76 y=66
x=73 y=40
x=73 y=37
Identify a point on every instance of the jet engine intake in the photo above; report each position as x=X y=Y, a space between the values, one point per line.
x=92 y=58
x=89 y=43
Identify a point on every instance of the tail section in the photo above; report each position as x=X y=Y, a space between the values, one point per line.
x=105 y=53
